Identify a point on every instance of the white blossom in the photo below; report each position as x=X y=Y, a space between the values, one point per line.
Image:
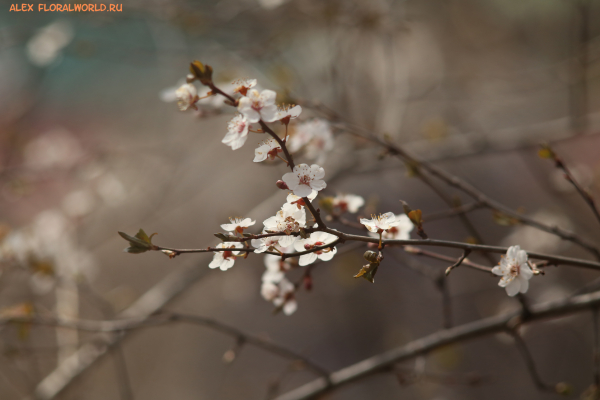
x=237 y=132
x=398 y=232
x=275 y=268
x=272 y=243
x=289 y=219
x=316 y=239
x=281 y=294
x=267 y=149
x=348 y=202
x=315 y=137
x=242 y=86
x=256 y=106
x=225 y=259
x=186 y=95
x=381 y=223
x=238 y=224
x=287 y=112
x=515 y=271
x=304 y=179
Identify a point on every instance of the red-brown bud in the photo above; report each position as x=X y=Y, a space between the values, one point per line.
x=282 y=185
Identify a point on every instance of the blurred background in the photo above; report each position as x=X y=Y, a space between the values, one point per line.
x=91 y=142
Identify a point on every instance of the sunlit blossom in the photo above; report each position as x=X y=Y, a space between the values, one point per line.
x=258 y=105
x=238 y=225
x=348 y=202
x=237 y=132
x=304 y=179
x=242 y=86
x=270 y=148
x=187 y=96
x=316 y=239
x=225 y=259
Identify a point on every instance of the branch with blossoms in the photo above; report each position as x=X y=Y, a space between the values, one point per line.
x=288 y=234
x=298 y=236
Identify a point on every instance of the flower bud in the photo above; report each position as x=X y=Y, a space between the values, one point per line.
x=282 y=185
x=202 y=72
x=371 y=256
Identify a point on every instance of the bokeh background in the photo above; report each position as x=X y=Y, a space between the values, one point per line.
x=90 y=143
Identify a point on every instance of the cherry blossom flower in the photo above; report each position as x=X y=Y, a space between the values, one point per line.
x=315 y=137
x=398 y=232
x=289 y=219
x=257 y=106
x=348 y=202
x=225 y=259
x=304 y=179
x=238 y=224
x=299 y=201
x=281 y=294
x=275 y=268
x=515 y=271
x=187 y=96
x=237 y=132
x=287 y=112
x=381 y=223
x=272 y=243
x=267 y=149
x=316 y=239
x=242 y=86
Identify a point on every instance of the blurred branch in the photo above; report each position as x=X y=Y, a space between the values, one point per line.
x=461 y=215
x=530 y=363
x=127 y=324
x=559 y=163
x=463 y=209
x=483 y=327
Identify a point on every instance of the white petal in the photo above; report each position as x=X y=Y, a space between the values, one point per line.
x=269 y=113
x=290 y=307
x=526 y=271
x=307 y=259
x=318 y=184
x=301 y=190
x=524 y=284
x=226 y=264
x=521 y=257
x=513 y=287
x=328 y=256
x=268 y=97
x=496 y=270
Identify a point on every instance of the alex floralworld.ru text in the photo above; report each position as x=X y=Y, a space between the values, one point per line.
x=66 y=7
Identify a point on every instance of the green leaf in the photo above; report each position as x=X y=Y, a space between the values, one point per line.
x=138 y=244
x=368 y=272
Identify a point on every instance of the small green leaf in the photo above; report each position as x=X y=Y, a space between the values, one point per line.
x=368 y=272
x=138 y=244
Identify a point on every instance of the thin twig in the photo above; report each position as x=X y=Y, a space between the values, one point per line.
x=587 y=197
x=460 y=260
x=420 y=252
x=463 y=209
